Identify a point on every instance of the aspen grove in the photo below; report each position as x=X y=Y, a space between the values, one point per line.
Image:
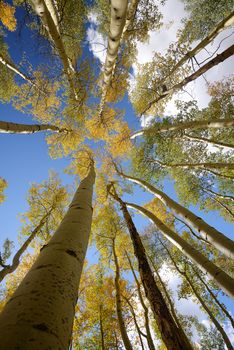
x=117 y=181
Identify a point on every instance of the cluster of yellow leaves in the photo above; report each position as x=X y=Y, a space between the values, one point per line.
x=64 y=143
x=3 y=185
x=80 y=163
x=7 y=16
x=119 y=144
x=160 y=211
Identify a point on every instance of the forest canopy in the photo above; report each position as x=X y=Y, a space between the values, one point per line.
x=116 y=184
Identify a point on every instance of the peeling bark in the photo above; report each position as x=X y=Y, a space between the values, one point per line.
x=224 y=281
x=40 y=313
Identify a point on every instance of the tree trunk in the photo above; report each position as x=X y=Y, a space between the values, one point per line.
x=195 y=124
x=16 y=260
x=224 y=196
x=163 y=318
x=209 y=233
x=221 y=306
x=117 y=22
x=205 y=166
x=223 y=280
x=146 y=311
x=101 y=328
x=40 y=313
x=212 y=63
x=203 y=304
x=211 y=142
x=122 y=327
x=15 y=128
x=47 y=20
x=225 y=23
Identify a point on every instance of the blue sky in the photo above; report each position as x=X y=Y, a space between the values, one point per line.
x=24 y=159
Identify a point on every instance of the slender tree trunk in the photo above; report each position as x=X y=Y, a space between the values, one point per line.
x=203 y=304
x=146 y=311
x=53 y=12
x=224 y=196
x=221 y=306
x=223 y=206
x=122 y=327
x=101 y=328
x=40 y=313
x=15 y=128
x=117 y=22
x=12 y=67
x=16 y=260
x=208 y=141
x=191 y=231
x=163 y=318
x=225 y=282
x=225 y=23
x=195 y=124
x=209 y=233
x=212 y=63
x=47 y=20
x=135 y=322
x=205 y=166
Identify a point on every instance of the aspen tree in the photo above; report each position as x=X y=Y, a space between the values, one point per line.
x=41 y=311
x=209 y=233
x=15 y=128
x=165 y=321
x=225 y=282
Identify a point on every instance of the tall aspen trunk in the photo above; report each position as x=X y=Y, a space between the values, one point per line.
x=163 y=318
x=205 y=166
x=212 y=63
x=117 y=22
x=221 y=306
x=203 y=304
x=16 y=260
x=225 y=23
x=146 y=311
x=208 y=141
x=135 y=322
x=15 y=128
x=224 y=281
x=209 y=233
x=122 y=326
x=43 y=12
x=195 y=124
x=40 y=313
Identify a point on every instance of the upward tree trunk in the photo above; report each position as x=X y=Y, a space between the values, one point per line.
x=202 y=302
x=223 y=280
x=117 y=22
x=209 y=233
x=212 y=63
x=15 y=128
x=163 y=318
x=101 y=327
x=225 y=23
x=208 y=141
x=205 y=166
x=122 y=327
x=146 y=311
x=16 y=260
x=43 y=12
x=195 y=124
x=40 y=313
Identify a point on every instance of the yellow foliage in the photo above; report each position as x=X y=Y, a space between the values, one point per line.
x=7 y=16
x=3 y=185
x=120 y=144
x=160 y=211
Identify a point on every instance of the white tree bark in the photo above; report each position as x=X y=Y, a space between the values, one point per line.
x=224 y=281
x=118 y=18
x=196 y=124
x=209 y=233
x=210 y=142
x=40 y=313
x=15 y=128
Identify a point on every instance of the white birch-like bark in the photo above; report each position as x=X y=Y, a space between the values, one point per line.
x=118 y=18
x=224 y=281
x=43 y=12
x=195 y=124
x=206 y=166
x=15 y=128
x=40 y=313
x=214 y=143
x=212 y=63
x=53 y=12
x=209 y=233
